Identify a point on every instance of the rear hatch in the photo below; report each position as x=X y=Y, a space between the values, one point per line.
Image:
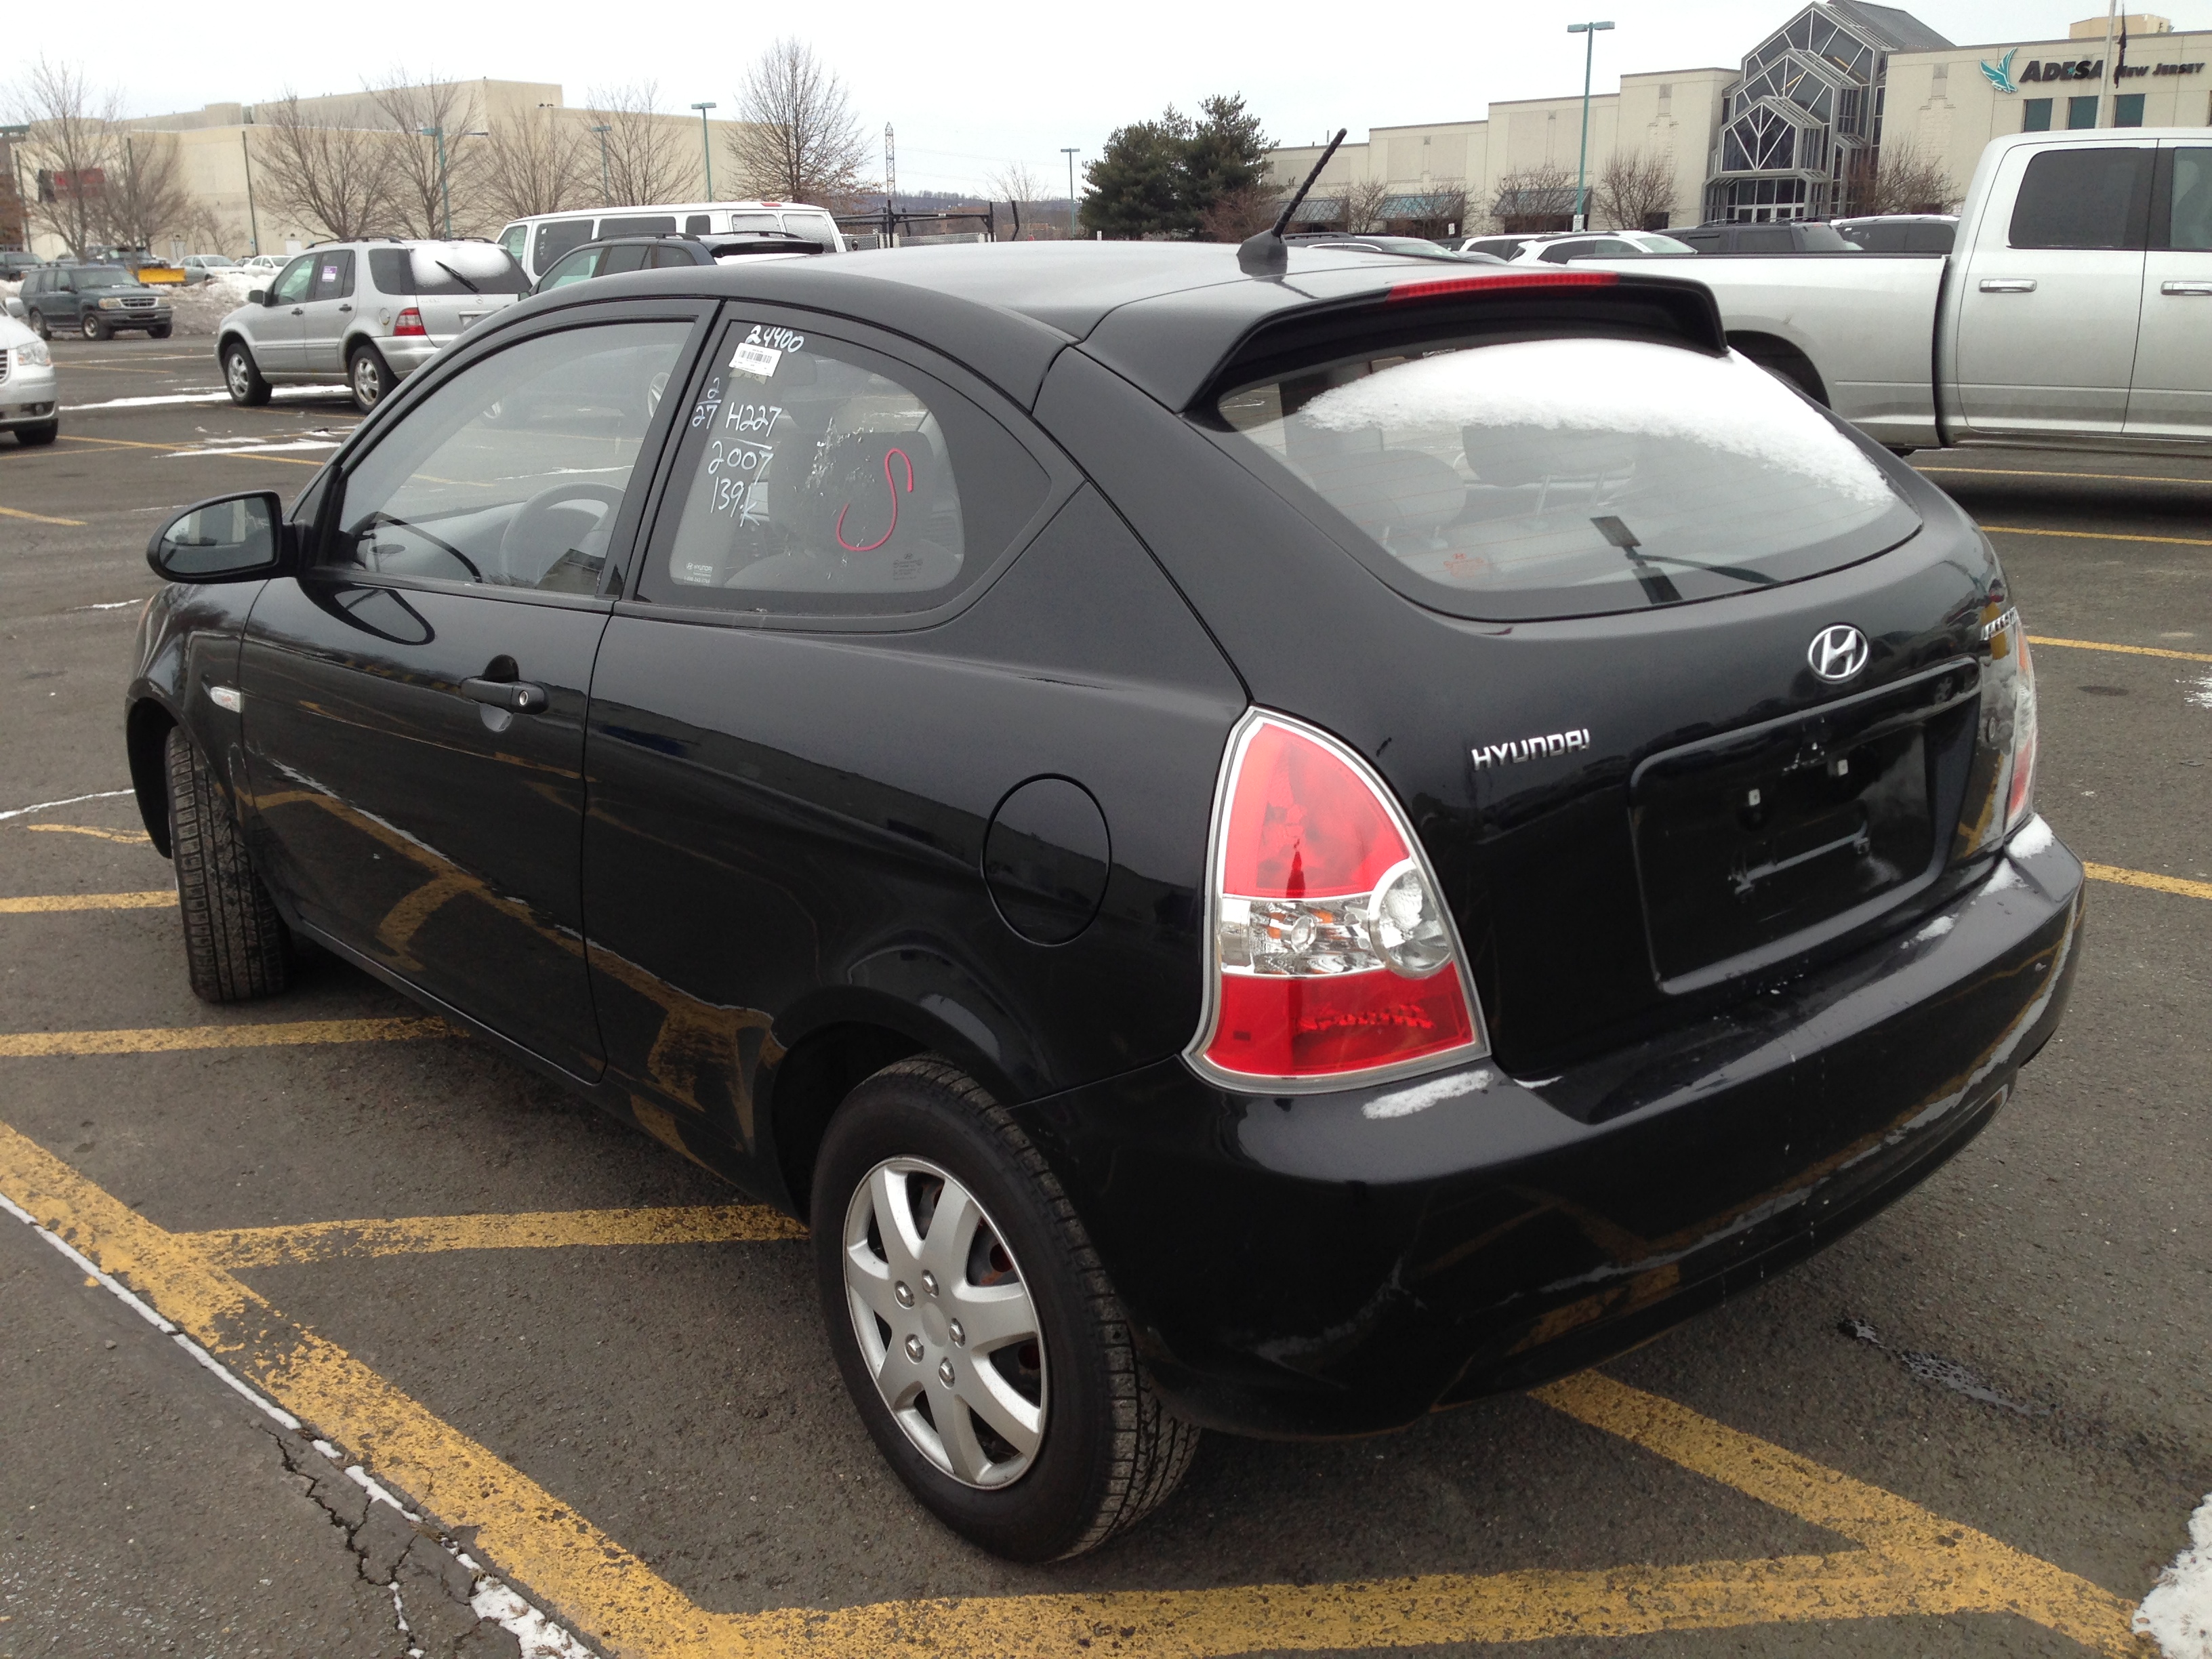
x=453 y=285
x=1678 y=678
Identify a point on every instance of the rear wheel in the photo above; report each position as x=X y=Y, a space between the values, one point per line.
x=234 y=941
x=93 y=325
x=369 y=378
x=975 y=1326
x=242 y=377
x=44 y=433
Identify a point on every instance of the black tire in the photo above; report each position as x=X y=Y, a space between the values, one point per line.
x=32 y=437
x=159 y=332
x=235 y=943
x=93 y=325
x=1109 y=1453
x=241 y=376
x=367 y=378
x=37 y=322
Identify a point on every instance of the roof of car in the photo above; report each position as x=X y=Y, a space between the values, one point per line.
x=1163 y=315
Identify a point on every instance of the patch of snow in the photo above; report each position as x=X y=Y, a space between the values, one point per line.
x=1610 y=386
x=1934 y=930
x=430 y=261
x=2033 y=838
x=2178 y=1612
x=1404 y=1102
x=2201 y=693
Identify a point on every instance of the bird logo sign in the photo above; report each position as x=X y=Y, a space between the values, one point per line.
x=2000 y=73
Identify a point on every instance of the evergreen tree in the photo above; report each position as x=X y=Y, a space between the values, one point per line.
x=1160 y=178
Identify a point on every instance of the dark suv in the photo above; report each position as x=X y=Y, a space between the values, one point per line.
x=94 y=301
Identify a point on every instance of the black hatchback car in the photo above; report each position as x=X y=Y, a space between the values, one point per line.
x=1274 y=853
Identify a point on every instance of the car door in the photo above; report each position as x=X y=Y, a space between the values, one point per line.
x=415 y=696
x=327 y=313
x=273 y=331
x=2172 y=396
x=2052 y=293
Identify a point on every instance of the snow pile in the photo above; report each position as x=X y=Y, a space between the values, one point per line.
x=200 y=308
x=2178 y=1614
x=1610 y=386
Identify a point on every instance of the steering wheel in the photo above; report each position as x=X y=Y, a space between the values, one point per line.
x=531 y=521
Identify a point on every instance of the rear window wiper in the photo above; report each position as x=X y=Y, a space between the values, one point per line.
x=1656 y=586
x=457 y=275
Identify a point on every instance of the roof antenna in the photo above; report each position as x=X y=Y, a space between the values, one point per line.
x=1265 y=253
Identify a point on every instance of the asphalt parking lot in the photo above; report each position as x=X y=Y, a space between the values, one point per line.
x=581 y=1367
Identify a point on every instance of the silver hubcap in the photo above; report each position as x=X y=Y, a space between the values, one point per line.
x=945 y=1323
x=238 y=383
x=364 y=380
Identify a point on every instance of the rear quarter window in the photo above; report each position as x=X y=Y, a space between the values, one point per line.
x=1559 y=478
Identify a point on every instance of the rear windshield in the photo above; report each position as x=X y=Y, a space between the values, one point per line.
x=1558 y=478
x=439 y=270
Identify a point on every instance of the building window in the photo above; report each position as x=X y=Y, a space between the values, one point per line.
x=2127 y=109
x=2080 y=112
x=2035 y=115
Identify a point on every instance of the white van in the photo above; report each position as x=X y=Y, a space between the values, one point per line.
x=537 y=241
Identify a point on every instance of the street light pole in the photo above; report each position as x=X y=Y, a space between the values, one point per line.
x=1589 y=34
x=445 y=189
x=252 y=224
x=1070 y=153
x=606 y=190
x=705 y=147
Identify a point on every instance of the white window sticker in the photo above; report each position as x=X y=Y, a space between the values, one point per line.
x=756 y=359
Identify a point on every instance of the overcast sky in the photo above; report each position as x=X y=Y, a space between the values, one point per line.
x=972 y=87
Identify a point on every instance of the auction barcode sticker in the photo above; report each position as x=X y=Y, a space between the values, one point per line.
x=756 y=359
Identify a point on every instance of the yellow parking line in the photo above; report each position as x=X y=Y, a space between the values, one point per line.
x=86 y=902
x=37 y=518
x=180 y=449
x=135 y=837
x=326 y=1241
x=30 y=1045
x=1911 y=1561
x=2096 y=536
x=2144 y=879
x=2108 y=478
x=2124 y=650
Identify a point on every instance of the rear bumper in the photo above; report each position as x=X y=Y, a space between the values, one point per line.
x=1343 y=1263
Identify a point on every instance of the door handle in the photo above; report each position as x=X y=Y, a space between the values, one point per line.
x=345 y=307
x=2187 y=285
x=2008 y=284
x=299 y=310
x=516 y=696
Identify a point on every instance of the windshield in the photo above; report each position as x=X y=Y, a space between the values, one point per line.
x=104 y=276
x=1570 y=477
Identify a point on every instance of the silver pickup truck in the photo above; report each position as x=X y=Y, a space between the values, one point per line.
x=2076 y=307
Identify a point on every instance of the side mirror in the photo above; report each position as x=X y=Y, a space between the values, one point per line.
x=15 y=309
x=258 y=297
x=231 y=538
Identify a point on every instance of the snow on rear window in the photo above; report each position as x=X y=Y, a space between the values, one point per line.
x=1567 y=476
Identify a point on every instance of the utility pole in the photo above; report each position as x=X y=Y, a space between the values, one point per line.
x=130 y=188
x=890 y=184
x=1069 y=153
x=606 y=190
x=705 y=146
x=13 y=137
x=2108 y=95
x=1589 y=34
x=445 y=192
x=252 y=224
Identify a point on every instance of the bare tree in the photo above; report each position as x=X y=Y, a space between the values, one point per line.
x=647 y=156
x=1537 y=198
x=1239 y=212
x=1634 y=190
x=534 y=162
x=71 y=149
x=1900 y=178
x=339 y=177
x=427 y=117
x=1018 y=182
x=145 y=194
x=1362 y=204
x=1440 y=210
x=796 y=138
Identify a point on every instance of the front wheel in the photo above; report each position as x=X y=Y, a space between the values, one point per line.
x=44 y=433
x=974 y=1326
x=159 y=330
x=37 y=322
x=242 y=378
x=368 y=377
x=93 y=325
x=234 y=941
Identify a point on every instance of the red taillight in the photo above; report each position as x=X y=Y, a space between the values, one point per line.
x=1443 y=287
x=410 y=323
x=1330 y=959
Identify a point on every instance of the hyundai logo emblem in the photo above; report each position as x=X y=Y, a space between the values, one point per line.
x=1837 y=654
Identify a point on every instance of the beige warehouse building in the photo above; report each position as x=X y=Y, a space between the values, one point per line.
x=1779 y=135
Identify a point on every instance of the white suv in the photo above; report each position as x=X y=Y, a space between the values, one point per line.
x=363 y=315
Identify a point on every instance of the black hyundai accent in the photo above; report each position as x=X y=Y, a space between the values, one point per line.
x=1272 y=852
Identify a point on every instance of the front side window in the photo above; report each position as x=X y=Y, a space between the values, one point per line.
x=291 y=288
x=2083 y=198
x=1566 y=477
x=818 y=476
x=511 y=473
x=515 y=239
